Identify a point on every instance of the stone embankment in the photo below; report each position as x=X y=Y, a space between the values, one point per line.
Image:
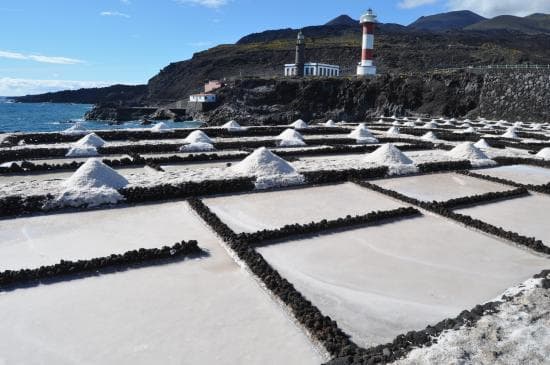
x=515 y=96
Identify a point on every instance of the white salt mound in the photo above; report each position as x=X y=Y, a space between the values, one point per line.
x=161 y=127
x=536 y=127
x=510 y=133
x=82 y=151
x=262 y=162
x=393 y=130
x=482 y=144
x=232 y=126
x=396 y=123
x=388 y=154
x=330 y=123
x=299 y=124
x=290 y=134
x=544 y=153
x=296 y=142
x=76 y=129
x=470 y=130
x=197 y=147
x=431 y=125
x=361 y=131
x=467 y=151
x=198 y=137
x=430 y=136
x=409 y=124
x=95 y=174
x=91 y=139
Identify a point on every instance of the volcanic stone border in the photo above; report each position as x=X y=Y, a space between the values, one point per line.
x=12 y=279
x=288 y=231
x=185 y=190
x=29 y=166
x=120 y=135
x=441 y=209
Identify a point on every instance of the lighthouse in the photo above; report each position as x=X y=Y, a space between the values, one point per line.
x=366 y=66
x=300 y=54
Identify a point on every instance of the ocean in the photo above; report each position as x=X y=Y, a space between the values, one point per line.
x=47 y=117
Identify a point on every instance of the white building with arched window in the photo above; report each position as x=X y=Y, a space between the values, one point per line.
x=313 y=69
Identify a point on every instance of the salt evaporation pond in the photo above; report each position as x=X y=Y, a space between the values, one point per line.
x=381 y=281
x=271 y=210
x=526 y=215
x=522 y=174
x=440 y=187
x=198 y=311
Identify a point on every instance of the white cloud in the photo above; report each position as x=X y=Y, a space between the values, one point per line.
x=409 y=4
x=16 y=87
x=114 y=13
x=491 y=8
x=214 y=4
x=39 y=58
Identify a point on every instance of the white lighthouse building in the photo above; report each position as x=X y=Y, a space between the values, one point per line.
x=366 y=66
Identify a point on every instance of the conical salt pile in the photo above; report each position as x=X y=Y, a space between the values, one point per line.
x=430 y=136
x=482 y=144
x=470 y=130
x=290 y=134
x=197 y=147
x=419 y=120
x=467 y=151
x=393 y=130
x=290 y=138
x=396 y=123
x=409 y=124
x=262 y=162
x=161 y=127
x=232 y=126
x=361 y=131
x=91 y=139
x=362 y=135
x=330 y=123
x=75 y=130
x=198 y=136
x=510 y=133
x=95 y=174
x=299 y=124
x=388 y=154
x=431 y=125
x=544 y=153
x=536 y=127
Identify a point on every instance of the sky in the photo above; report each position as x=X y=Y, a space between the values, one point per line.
x=48 y=45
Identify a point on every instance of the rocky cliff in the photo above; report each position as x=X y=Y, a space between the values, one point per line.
x=273 y=101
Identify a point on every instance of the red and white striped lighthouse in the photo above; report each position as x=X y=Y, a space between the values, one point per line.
x=366 y=66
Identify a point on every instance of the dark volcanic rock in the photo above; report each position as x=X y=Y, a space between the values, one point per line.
x=276 y=101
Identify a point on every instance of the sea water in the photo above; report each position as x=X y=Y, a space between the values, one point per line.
x=50 y=117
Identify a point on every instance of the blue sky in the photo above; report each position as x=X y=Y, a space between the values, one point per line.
x=58 y=44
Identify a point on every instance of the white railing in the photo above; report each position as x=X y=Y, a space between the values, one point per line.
x=495 y=68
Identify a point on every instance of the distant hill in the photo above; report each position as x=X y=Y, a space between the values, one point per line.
x=447 y=21
x=132 y=94
x=343 y=20
x=532 y=24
